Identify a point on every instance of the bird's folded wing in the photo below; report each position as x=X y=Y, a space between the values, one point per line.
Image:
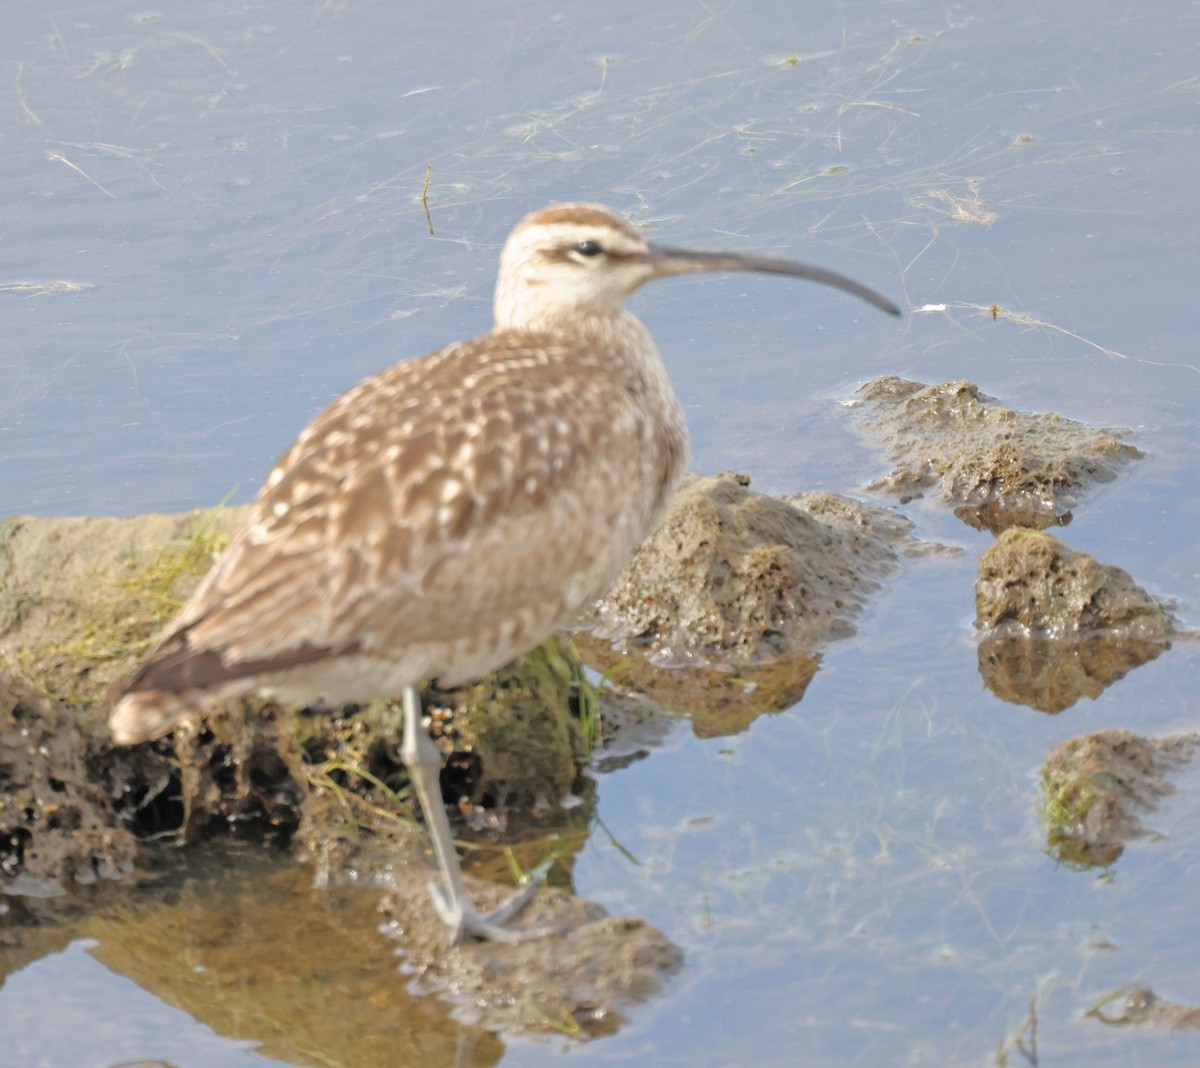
x=426 y=501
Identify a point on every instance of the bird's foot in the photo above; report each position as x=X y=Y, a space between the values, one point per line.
x=465 y=921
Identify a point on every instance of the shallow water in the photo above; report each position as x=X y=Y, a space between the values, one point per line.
x=235 y=196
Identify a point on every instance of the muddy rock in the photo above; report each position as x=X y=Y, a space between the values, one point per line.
x=1057 y=625
x=514 y=733
x=732 y=576
x=1096 y=787
x=58 y=828
x=996 y=467
x=82 y=598
x=741 y=589
x=1031 y=583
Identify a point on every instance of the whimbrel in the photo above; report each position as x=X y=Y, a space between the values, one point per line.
x=449 y=513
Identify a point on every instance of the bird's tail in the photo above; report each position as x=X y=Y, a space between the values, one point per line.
x=147 y=714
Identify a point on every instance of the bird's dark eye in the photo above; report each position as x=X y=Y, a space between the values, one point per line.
x=589 y=248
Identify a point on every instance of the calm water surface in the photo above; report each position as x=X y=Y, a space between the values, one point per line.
x=231 y=196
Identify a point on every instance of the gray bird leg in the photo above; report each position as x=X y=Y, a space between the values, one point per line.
x=424 y=763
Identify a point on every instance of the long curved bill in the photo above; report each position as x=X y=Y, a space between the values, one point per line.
x=668 y=261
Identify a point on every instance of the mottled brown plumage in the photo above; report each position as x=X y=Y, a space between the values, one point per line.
x=451 y=512
x=421 y=498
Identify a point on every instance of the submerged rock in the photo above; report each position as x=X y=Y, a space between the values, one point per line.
x=578 y=981
x=1096 y=787
x=1138 y=1005
x=1057 y=625
x=996 y=467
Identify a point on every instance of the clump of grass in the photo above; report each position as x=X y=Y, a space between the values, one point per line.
x=1064 y=809
x=156 y=589
x=1065 y=804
